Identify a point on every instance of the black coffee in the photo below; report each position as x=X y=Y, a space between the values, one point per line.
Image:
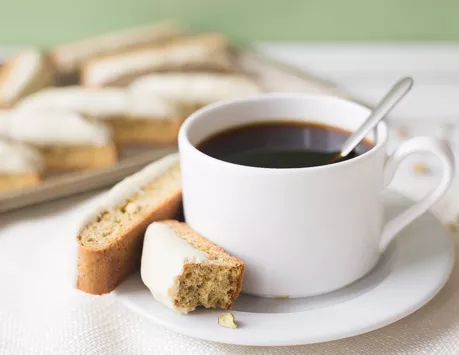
x=280 y=144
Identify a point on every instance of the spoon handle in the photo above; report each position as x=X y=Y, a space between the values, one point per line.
x=398 y=91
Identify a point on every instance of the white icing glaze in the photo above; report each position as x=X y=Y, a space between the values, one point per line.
x=90 y=102
x=134 y=183
x=68 y=56
x=26 y=65
x=57 y=127
x=184 y=53
x=201 y=88
x=105 y=103
x=163 y=257
x=151 y=107
x=131 y=185
x=4 y=122
x=16 y=158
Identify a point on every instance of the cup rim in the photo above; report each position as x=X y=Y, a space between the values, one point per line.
x=184 y=142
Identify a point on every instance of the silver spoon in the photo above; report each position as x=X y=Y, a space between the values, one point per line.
x=395 y=94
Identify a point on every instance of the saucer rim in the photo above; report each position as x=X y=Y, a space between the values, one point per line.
x=196 y=324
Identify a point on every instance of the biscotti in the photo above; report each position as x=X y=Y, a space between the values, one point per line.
x=110 y=240
x=134 y=119
x=97 y=103
x=194 y=90
x=20 y=165
x=23 y=73
x=66 y=139
x=184 y=270
x=67 y=58
x=198 y=52
x=149 y=120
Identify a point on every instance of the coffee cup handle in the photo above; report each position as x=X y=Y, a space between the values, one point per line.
x=417 y=145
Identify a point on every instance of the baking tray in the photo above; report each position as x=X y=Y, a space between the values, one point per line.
x=271 y=74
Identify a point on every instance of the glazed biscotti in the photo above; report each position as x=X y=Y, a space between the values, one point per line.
x=194 y=90
x=23 y=73
x=20 y=165
x=184 y=270
x=148 y=120
x=134 y=119
x=66 y=139
x=110 y=240
x=5 y=115
x=67 y=58
x=198 y=52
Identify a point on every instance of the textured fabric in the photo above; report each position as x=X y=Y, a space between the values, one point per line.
x=40 y=312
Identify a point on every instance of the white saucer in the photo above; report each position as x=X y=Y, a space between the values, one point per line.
x=410 y=273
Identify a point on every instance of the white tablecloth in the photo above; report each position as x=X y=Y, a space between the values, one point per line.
x=40 y=313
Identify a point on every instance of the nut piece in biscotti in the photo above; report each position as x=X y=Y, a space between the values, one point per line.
x=110 y=241
x=23 y=73
x=183 y=270
x=227 y=320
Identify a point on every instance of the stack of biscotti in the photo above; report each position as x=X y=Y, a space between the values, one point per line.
x=110 y=240
x=82 y=104
x=134 y=228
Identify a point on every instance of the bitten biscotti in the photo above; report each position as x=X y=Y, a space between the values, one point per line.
x=198 y=52
x=67 y=58
x=184 y=270
x=23 y=73
x=110 y=241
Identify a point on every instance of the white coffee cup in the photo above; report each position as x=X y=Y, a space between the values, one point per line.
x=306 y=231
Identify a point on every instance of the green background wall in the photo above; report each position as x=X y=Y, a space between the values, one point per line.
x=46 y=22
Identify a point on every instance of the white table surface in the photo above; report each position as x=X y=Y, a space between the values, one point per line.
x=368 y=70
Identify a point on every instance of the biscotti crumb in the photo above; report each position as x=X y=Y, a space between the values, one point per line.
x=227 y=320
x=281 y=297
x=402 y=132
x=421 y=168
